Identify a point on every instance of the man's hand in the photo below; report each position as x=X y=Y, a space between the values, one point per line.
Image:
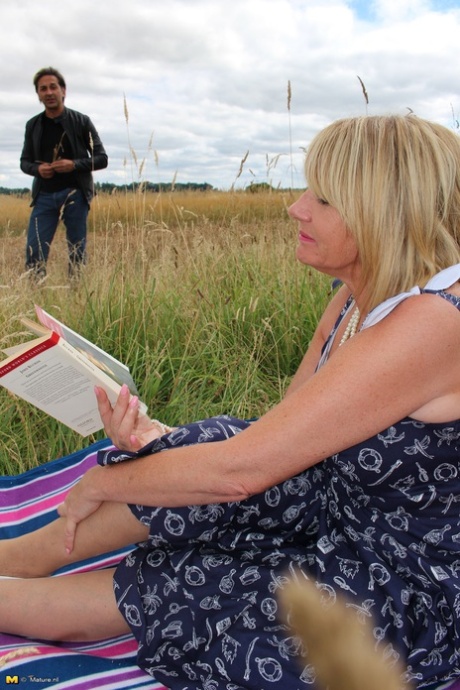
x=63 y=165
x=46 y=170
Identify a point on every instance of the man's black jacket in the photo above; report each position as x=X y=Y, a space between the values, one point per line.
x=87 y=149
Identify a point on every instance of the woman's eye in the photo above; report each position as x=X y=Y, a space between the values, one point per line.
x=323 y=202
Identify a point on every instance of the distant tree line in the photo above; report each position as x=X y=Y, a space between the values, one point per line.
x=15 y=192
x=110 y=187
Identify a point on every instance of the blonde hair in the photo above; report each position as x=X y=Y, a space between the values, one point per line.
x=395 y=181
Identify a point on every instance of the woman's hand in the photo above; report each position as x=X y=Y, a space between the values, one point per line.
x=123 y=423
x=78 y=505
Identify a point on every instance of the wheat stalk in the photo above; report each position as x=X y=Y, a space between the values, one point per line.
x=289 y=98
x=339 y=646
x=57 y=148
x=364 y=90
x=240 y=171
x=125 y=109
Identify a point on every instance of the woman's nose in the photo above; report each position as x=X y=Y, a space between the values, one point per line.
x=291 y=210
x=299 y=209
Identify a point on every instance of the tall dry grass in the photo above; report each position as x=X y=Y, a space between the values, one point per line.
x=198 y=293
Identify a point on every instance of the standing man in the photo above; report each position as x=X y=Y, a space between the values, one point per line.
x=61 y=149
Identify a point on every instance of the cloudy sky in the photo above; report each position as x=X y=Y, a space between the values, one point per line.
x=203 y=82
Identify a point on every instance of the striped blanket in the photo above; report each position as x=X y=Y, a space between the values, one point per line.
x=28 y=501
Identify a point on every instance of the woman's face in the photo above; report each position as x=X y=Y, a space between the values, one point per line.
x=324 y=241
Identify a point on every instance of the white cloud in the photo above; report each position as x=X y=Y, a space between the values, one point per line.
x=206 y=80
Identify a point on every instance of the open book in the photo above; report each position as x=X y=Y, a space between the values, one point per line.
x=57 y=373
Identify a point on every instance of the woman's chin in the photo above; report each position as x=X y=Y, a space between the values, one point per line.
x=305 y=256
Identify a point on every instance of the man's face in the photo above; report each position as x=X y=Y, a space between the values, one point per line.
x=51 y=95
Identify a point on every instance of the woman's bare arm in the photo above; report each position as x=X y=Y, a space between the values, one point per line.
x=383 y=374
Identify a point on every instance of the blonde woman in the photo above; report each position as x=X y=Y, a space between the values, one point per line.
x=352 y=481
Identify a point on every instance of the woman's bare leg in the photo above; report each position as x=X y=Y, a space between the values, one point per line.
x=37 y=554
x=77 y=608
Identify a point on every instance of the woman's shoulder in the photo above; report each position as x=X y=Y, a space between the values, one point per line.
x=426 y=330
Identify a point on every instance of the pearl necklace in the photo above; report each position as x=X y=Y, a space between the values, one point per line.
x=352 y=326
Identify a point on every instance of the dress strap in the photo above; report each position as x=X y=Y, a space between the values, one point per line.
x=437 y=285
x=347 y=307
x=441 y=281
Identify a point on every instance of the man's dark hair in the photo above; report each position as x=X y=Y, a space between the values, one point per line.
x=51 y=72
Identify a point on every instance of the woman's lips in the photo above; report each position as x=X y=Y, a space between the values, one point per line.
x=305 y=238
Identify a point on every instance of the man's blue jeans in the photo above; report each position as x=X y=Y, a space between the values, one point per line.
x=68 y=205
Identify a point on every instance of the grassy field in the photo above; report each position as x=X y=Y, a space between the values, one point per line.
x=198 y=293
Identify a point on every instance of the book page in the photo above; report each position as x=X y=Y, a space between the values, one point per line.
x=51 y=378
x=111 y=366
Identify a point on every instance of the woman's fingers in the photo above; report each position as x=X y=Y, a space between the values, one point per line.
x=73 y=515
x=123 y=422
x=70 y=529
x=120 y=419
x=124 y=419
x=104 y=407
x=69 y=535
x=77 y=506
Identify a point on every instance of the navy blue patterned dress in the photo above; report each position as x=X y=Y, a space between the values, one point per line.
x=378 y=522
